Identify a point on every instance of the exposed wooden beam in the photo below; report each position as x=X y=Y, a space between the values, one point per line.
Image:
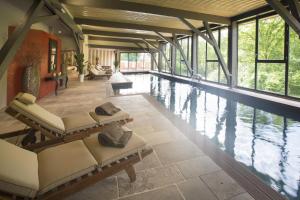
x=217 y=51
x=119 y=34
x=112 y=24
x=185 y=59
x=11 y=46
x=285 y=14
x=99 y=38
x=115 y=47
x=146 y=8
x=195 y=30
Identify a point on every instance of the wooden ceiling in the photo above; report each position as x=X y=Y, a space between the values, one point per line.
x=127 y=17
x=144 y=17
x=224 y=8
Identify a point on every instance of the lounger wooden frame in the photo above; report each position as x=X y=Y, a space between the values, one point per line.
x=86 y=180
x=53 y=137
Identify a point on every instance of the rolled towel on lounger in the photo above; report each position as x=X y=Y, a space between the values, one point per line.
x=114 y=136
x=106 y=109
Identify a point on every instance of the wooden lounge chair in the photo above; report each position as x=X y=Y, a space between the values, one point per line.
x=56 y=129
x=98 y=73
x=61 y=170
x=104 y=68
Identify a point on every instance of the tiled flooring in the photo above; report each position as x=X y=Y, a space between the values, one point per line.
x=177 y=169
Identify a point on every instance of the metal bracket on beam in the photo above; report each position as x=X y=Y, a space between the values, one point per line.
x=217 y=51
x=294 y=6
x=195 y=30
x=13 y=43
x=150 y=44
x=165 y=38
x=187 y=63
x=56 y=7
x=45 y=18
x=286 y=15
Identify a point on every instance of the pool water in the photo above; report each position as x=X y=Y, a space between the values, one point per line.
x=268 y=144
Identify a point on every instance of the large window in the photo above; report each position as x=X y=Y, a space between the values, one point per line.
x=294 y=68
x=246 y=54
x=181 y=68
x=133 y=61
x=155 y=62
x=270 y=62
x=262 y=60
x=166 y=48
x=208 y=63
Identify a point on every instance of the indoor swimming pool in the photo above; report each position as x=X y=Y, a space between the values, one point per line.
x=266 y=143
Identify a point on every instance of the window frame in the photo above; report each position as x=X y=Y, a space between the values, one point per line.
x=136 y=62
x=168 y=55
x=188 y=55
x=257 y=61
x=219 y=40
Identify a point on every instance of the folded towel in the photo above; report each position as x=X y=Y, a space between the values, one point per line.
x=114 y=136
x=106 y=109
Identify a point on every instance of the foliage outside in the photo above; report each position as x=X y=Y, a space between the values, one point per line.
x=271 y=44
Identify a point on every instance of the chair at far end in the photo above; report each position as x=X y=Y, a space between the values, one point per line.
x=61 y=170
x=98 y=73
x=54 y=128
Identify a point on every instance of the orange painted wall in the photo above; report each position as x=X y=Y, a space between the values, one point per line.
x=35 y=41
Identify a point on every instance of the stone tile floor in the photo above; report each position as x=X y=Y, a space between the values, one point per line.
x=177 y=169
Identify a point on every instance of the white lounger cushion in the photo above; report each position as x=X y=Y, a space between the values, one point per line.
x=105 y=155
x=106 y=119
x=18 y=170
x=78 y=121
x=60 y=164
x=40 y=115
x=97 y=72
x=66 y=124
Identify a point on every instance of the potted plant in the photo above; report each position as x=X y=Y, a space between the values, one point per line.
x=79 y=58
